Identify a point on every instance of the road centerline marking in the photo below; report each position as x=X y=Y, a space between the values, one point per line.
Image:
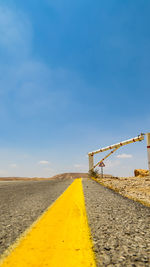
x=60 y=238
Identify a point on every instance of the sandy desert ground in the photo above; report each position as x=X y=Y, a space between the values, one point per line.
x=136 y=188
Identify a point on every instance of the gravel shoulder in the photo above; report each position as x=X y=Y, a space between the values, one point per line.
x=120 y=227
x=22 y=202
x=136 y=188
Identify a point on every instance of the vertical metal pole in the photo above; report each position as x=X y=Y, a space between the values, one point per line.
x=148 y=149
x=101 y=172
x=91 y=162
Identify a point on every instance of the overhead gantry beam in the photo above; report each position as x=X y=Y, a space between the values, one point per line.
x=129 y=141
x=115 y=147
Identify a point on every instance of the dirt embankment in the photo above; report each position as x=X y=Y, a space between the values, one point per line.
x=136 y=188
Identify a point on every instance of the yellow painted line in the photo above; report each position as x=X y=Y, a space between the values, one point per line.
x=60 y=238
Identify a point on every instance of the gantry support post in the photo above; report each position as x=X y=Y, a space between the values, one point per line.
x=91 y=162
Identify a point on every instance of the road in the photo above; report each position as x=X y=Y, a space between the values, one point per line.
x=21 y=203
x=120 y=227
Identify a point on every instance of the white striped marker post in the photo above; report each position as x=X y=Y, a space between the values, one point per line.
x=148 y=149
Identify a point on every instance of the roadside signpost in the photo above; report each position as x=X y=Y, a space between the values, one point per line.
x=101 y=165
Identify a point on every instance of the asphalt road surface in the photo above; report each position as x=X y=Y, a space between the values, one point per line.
x=120 y=227
x=21 y=203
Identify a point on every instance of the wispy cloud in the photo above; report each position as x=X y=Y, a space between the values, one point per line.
x=13 y=165
x=15 y=32
x=124 y=156
x=35 y=87
x=43 y=162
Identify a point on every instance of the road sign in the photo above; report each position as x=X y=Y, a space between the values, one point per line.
x=102 y=164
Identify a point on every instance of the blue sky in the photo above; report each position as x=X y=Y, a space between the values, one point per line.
x=74 y=76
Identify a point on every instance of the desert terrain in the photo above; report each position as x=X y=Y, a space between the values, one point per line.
x=135 y=188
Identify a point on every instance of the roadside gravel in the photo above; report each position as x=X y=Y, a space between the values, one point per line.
x=22 y=202
x=136 y=188
x=120 y=227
